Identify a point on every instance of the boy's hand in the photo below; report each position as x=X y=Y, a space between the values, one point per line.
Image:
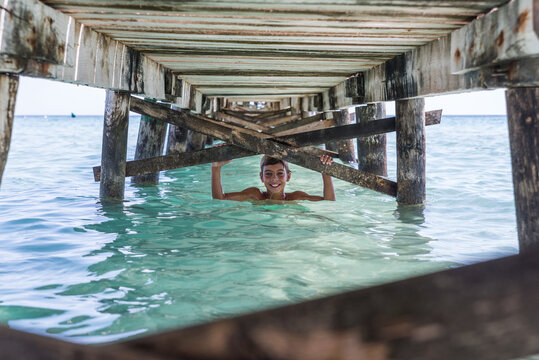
x=326 y=159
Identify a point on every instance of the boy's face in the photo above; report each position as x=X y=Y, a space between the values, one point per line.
x=274 y=178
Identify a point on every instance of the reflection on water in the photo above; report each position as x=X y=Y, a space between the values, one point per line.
x=170 y=256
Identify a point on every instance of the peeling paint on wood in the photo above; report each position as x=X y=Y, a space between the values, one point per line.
x=503 y=35
x=8 y=96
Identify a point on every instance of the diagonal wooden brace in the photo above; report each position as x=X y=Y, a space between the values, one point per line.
x=257 y=143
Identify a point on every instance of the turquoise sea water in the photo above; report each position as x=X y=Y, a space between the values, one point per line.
x=170 y=256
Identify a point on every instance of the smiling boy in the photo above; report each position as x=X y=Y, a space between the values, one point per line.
x=274 y=173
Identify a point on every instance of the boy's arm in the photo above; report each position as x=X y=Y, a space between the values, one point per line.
x=217 y=189
x=329 y=192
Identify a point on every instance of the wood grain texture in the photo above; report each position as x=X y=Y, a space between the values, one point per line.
x=411 y=151
x=114 y=146
x=372 y=150
x=523 y=121
x=8 y=97
x=150 y=143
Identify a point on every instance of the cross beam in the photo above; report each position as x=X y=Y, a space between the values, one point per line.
x=258 y=143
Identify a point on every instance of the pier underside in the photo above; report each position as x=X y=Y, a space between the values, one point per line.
x=280 y=78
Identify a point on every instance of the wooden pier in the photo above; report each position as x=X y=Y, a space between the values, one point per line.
x=280 y=78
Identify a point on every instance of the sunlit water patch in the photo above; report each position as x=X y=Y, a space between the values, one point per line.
x=170 y=256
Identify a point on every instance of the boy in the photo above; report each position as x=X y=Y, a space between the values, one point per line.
x=274 y=173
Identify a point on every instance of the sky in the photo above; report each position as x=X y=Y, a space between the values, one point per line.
x=47 y=97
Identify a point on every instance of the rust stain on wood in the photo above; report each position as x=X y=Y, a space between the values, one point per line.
x=457 y=56
x=523 y=18
x=500 y=39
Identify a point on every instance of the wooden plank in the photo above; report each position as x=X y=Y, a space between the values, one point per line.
x=114 y=146
x=372 y=150
x=523 y=120
x=37 y=40
x=512 y=34
x=427 y=70
x=239 y=121
x=318 y=125
x=476 y=312
x=380 y=126
x=411 y=151
x=150 y=143
x=297 y=124
x=8 y=95
x=176 y=161
x=280 y=120
x=259 y=144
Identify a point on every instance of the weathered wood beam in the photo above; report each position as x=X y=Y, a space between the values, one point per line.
x=234 y=119
x=411 y=151
x=37 y=40
x=258 y=143
x=296 y=124
x=8 y=96
x=318 y=125
x=372 y=150
x=16 y=345
x=380 y=126
x=429 y=69
x=276 y=121
x=176 y=161
x=511 y=33
x=150 y=143
x=475 y=312
x=273 y=113
x=523 y=121
x=114 y=147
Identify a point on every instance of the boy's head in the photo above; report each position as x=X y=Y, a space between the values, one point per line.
x=274 y=173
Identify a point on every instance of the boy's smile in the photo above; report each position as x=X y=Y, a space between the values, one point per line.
x=274 y=178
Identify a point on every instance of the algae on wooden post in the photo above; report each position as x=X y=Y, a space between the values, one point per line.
x=411 y=151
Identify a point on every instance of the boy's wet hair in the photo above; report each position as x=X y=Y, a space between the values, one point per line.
x=268 y=160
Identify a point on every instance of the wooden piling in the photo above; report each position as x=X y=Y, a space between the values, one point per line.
x=345 y=148
x=372 y=150
x=410 y=127
x=114 y=149
x=523 y=123
x=150 y=143
x=8 y=95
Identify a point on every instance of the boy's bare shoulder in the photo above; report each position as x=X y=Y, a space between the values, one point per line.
x=301 y=195
x=252 y=193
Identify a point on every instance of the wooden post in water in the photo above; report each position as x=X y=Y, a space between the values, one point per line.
x=345 y=148
x=177 y=138
x=411 y=151
x=114 y=149
x=372 y=150
x=195 y=140
x=8 y=95
x=523 y=122
x=150 y=143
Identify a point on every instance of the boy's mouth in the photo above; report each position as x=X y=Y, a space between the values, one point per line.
x=275 y=186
